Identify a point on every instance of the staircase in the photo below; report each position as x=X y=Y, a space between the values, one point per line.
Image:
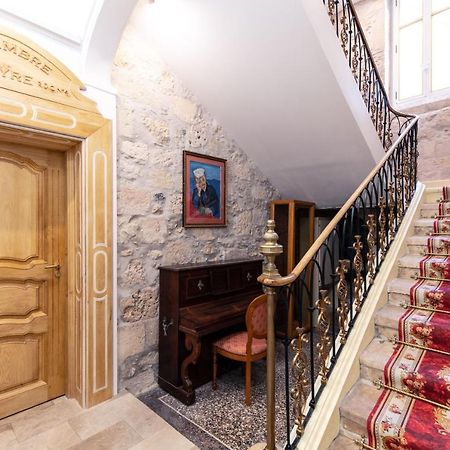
x=359 y=404
x=337 y=276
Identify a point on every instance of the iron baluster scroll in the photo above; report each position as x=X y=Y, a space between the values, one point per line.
x=331 y=282
x=329 y=286
x=387 y=121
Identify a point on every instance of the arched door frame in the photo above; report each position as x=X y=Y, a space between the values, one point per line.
x=41 y=100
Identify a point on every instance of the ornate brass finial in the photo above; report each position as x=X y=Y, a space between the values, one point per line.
x=270 y=249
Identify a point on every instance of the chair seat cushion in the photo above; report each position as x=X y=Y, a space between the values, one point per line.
x=237 y=343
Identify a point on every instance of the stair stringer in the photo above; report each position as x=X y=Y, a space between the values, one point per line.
x=324 y=424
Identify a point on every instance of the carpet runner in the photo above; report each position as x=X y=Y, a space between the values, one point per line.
x=444 y=204
x=413 y=410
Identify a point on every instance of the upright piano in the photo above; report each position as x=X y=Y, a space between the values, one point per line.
x=199 y=303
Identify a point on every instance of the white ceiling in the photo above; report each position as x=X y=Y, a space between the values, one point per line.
x=82 y=34
x=274 y=75
x=69 y=19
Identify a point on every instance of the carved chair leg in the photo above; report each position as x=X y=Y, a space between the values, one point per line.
x=214 y=377
x=248 y=383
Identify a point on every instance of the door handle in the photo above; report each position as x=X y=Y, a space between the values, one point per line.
x=57 y=268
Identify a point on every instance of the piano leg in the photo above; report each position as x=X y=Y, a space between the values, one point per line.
x=194 y=345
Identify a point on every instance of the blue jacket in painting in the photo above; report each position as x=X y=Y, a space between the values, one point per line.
x=207 y=199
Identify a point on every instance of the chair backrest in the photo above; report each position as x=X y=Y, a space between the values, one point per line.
x=256 y=318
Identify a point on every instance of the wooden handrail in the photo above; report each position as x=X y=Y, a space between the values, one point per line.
x=300 y=267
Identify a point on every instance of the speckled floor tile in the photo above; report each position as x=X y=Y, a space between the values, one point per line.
x=222 y=413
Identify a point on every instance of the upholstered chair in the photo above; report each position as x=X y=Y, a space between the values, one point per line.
x=246 y=346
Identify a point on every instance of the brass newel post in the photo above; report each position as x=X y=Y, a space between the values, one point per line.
x=270 y=249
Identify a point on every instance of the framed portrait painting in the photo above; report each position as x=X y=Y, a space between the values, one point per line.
x=204 y=188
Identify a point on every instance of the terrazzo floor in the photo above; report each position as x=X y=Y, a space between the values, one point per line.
x=219 y=419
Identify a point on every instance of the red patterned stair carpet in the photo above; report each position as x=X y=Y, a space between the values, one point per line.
x=414 y=412
x=444 y=205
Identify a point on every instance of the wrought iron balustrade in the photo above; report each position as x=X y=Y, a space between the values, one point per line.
x=387 y=121
x=330 y=284
x=333 y=279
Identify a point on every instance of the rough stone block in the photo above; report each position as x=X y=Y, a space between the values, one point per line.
x=131 y=340
x=133 y=201
x=185 y=109
x=134 y=273
x=142 y=304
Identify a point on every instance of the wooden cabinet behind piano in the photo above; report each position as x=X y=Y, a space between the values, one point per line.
x=198 y=304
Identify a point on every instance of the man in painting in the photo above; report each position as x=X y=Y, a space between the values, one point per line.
x=204 y=196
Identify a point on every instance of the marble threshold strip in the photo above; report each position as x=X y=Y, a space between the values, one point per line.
x=379 y=385
x=442 y=216
x=439 y=234
x=395 y=341
x=434 y=254
x=424 y=308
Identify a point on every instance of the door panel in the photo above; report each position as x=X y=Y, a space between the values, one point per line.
x=23 y=357
x=28 y=297
x=32 y=296
x=21 y=203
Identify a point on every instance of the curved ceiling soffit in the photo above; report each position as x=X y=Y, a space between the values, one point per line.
x=102 y=40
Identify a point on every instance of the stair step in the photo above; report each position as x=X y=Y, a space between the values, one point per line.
x=433 y=194
x=386 y=320
x=398 y=290
x=344 y=443
x=356 y=407
x=359 y=402
x=374 y=358
x=408 y=266
x=417 y=244
x=423 y=226
x=429 y=210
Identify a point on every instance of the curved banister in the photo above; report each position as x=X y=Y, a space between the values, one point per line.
x=372 y=59
x=326 y=290
x=303 y=263
x=349 y=31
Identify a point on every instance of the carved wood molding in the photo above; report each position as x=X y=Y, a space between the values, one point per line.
x=41 y=98
x=27 y=68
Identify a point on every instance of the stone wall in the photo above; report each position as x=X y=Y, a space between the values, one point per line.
x=434 y=123
x=158 y=119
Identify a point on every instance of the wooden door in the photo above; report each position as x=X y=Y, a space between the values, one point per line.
x=33 y=296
